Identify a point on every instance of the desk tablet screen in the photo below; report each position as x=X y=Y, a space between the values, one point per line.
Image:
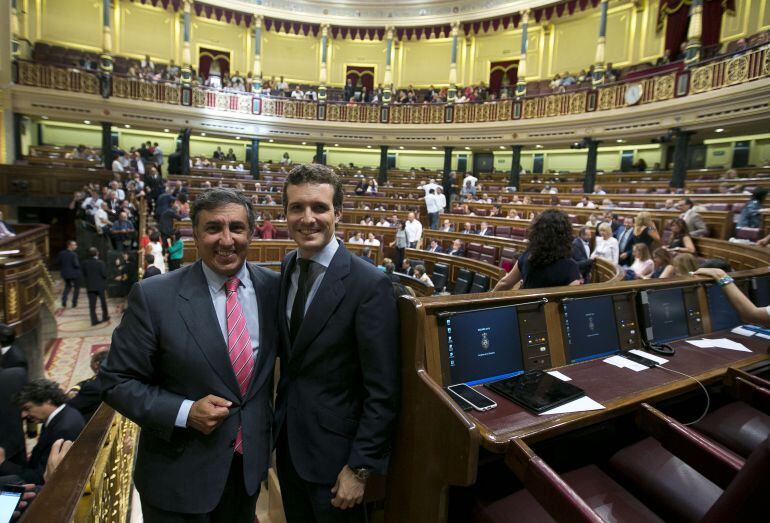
x=590 y=327
x=667 y=315
x=483 y=345
x=723 y=315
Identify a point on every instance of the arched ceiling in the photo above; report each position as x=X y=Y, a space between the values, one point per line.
x=381 y=12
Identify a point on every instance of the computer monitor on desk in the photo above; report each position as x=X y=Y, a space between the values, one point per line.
x=598 y=326
x=480 y=345
x=723 y=315
x=670 y=314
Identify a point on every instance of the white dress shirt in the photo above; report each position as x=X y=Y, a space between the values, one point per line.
x=431 y=202
x=413 y=231
x=607 y=249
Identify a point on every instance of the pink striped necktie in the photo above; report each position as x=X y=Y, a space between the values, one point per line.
x=238 y=345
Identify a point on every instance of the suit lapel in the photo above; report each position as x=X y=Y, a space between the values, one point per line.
x=197 y=311
x=324 y=304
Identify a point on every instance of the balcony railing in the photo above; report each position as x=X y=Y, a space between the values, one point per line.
x=659 y=85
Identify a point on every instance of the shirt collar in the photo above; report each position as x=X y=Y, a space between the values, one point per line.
x=325 y=255
x=216 y=281
x=54 y=413
x=4 y=350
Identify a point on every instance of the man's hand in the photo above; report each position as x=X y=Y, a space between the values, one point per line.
x=348 y=491
x=2 y=455
x=58 y=451
x=208 y=413
x=26 y=499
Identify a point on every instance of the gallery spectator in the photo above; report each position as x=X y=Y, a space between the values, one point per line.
x=86 y=396
x=684 y=264
x=175 y=251
x=152 y=269
x=750 y=215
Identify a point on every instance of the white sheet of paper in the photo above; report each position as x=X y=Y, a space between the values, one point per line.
x=578 y=405
x=656 y=359
x=703 y=344
x=743 y=332
x=720 y=343
x=761 y=335
x=559 y=375
x=624 y=363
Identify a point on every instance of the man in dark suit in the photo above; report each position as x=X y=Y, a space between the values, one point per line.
x=366 y=255
x=151 y=269
x=95 y=274
x=192 y=364
x=69 y=265
x=338 y=395
x=406 y=267
x=625 y=245
x=581 y=253
x=166 y=223
x=86 y=396
x=434 y=246
x=12 y=439
x=458 y=248
x=11 y=355
x=484 y=230
x=42 y=401
x=447 y=226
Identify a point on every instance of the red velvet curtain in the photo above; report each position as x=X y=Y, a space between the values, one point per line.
x=499 y=70
x=676 y=14
x=365 y=74
x=207 y=56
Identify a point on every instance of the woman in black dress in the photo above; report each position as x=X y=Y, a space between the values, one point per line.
x=680 y=241
x=547 y=262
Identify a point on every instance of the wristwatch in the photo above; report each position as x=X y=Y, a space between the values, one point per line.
x=362 y=474
x=725 y=280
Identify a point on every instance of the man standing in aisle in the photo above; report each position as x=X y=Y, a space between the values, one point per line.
x=95 y=274
x=69 y=265
x=413 y=229
x=192 y=364
x=339 y=389
x=432 y=204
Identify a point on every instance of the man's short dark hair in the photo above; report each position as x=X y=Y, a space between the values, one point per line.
x=93 y=251
x=432 y=191
x=97 y=358
x=219 y=197
x=39 y=392
x=688 y=202
x=149 y=259
x=7 y=335
x=317 y=174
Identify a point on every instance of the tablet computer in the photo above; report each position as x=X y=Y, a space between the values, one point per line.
x=536 y=390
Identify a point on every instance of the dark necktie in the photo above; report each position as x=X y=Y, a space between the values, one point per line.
x=300 y=298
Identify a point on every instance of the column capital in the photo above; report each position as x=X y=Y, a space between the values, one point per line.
x=525 y=16
x=187 y=5
x=258 y=19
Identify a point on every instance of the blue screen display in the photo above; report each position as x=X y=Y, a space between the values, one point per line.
x=723 y=315
x=591 y=328
x=483 y=345
x=667 y=315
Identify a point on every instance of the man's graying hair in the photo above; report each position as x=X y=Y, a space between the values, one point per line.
x=219 y=197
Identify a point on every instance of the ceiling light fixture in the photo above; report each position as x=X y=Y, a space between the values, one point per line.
x=165 y=130
x=87 y=122
x=203 y=134
x=719 y=130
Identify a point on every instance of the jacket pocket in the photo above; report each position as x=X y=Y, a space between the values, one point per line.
x=334 y=423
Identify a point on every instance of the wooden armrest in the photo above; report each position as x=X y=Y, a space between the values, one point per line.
x=748 y=392
x=733 y=373
x=700 y=453
x=553 y=493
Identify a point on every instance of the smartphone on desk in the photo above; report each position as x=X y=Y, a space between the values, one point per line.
x=10 y=496
x=471 y=396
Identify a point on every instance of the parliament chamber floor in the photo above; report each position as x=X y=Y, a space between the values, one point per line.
x=567 y=200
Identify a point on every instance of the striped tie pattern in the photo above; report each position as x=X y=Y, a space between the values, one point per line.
x=238 y=345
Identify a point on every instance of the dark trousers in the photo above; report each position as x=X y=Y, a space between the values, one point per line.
x=235 y=506
x=306 y=502
x=92 y=295
x=74 y=284
x=174 y=264
x=433 y=220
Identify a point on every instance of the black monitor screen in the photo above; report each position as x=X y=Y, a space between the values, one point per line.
x=667 y=315
x=483 y=345
x=761 y=291
x=591 y=328
x=723 y=315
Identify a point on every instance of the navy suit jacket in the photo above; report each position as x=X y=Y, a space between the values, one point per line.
x=339 y=389
x=581 y=258
x=13 y=358
x=95 y=273
x=437 y=249
x=168 y=348
x=69 y=264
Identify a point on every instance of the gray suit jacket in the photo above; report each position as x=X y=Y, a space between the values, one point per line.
x=168 y=348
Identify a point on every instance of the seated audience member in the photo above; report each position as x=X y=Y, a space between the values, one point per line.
x=662 y=260
x=458 y=248
x=513 y=215
x=434 y=246
x=366 y=255
x=585 y=203
x=750 y=215
x=447 y=226
x=371 y=240
x=356 y=239
x=747 y=311
x=624 y=233
x=42 y=401
x=592 y=221
x=382 y=222
x=684 y=264
x=406 y=267
x=606 y=245
x=680 y=241
x=484 y=230
x=644 y=231
x=266 y=230
x=467 y=228
x=390 y=269
x=152 y=269
x=691 y=215
x=419 y=273
x=581 y=253
x=547 y=262
x=86 y=396
x=11 y=354
x=643 y=265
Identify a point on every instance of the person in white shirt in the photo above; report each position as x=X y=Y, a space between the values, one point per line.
x=470 y=178
x=92 y=204
x=441 y=197
x=119 y=193
x=606 y=245
x=419 y=273
x=101 y=218
x=413 y=230
x=371 y=240
x=428 y=186
x=432 y=204
x=117 y=165
x=586 y=203
x=297 y=94
x=484 y=230
x=598 y=190
x=356 y=239
x=382 y=222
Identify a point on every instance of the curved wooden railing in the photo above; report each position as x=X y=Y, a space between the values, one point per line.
x=94 y=480
x=659 y=85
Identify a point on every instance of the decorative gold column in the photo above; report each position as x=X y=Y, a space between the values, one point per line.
x=452 y=93
x=521 y=80
x=323 y=73
x=105 y=59
x=694 y=32
x=599 y=66
x=387 y=89
x=257 y=73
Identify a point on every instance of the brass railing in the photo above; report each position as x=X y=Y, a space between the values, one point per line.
x=657 y=86
x=93 y=481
